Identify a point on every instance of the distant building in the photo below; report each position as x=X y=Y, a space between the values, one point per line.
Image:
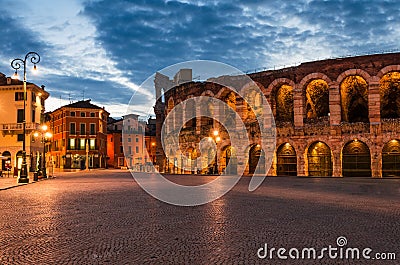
x=79 y=134
x=115 y=151
x=131 y=143
x=150 y=140
x=11 y=122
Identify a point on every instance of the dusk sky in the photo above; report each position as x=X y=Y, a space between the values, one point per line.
x=104 y=50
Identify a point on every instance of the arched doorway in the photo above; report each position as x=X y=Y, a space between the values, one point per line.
x=286 y=160
x=356 y=160
x=319 y=160
x=6 y=162
x=229 y=161
x=256 y=157
x=391 y=159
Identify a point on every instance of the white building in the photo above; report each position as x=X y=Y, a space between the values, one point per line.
x=11 y=122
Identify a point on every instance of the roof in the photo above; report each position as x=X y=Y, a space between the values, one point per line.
x=83 y=104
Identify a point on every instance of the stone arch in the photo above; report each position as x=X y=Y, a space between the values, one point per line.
x=354 y=99
x=207 y=93
x=387 y=69
x=391 y=159
x=308 y=78
x=319 y=159
x=356 y=159
x=389 y=90
x=350 y=72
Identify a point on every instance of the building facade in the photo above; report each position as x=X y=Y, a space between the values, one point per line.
x=335 y=117
x=11 y=123
x=79 y=136
x=131 y=143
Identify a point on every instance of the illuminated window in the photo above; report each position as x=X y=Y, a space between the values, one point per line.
x=82 y=144
x=92 y=144
x=72 y=144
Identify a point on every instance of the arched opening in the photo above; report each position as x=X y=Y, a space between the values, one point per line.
x=319 y=160
x=317 y=99
x=356 y=160
x=229 y=161
x=6 y=161
x=18 y=157
x=256 y=157
x=286 y=160
x=284 y=104
x=389 y=89
x=391 y=159
x=354 y=99
x=228 y=112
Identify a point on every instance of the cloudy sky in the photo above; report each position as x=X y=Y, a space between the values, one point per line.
x=104 y=50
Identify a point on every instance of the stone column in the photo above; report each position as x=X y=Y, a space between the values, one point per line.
x=337 y=162
x=334 y=104
x=298 y=106
x=374 y=101
x=301 y=161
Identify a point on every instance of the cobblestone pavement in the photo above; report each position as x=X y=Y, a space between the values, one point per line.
x=104 y=217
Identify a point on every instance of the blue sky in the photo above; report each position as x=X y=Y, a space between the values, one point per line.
x=104 y=50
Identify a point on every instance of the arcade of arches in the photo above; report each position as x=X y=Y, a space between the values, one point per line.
x=340 y=118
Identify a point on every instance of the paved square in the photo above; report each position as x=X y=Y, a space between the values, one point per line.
x=104 y=217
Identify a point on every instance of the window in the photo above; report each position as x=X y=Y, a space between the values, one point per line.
x=92 y=128
x=82 y=144
x=20 y=115
x=83 y=128
x=20 y=137
x=72 y=144
x=129 y=140
x=92 y=144
x=19 y=96
x=92 y=114
x=121 y=149
x=33 y=115
x=137 y=149
x=33 y=96
x=129 y=150
x=137 y=139
x=73 y=113
x=72 y=129
x=120 y=161
x=82 y=114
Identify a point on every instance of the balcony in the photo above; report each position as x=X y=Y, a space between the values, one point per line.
x=19 y=126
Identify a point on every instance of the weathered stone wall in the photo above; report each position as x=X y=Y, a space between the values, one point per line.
x=301 y=132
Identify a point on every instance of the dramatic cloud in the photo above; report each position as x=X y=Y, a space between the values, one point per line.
x=106 y=49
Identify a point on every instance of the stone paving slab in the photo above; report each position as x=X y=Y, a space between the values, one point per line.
x=106 y=218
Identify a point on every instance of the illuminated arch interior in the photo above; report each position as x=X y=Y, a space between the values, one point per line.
x=354 y=99
x=389 y=88
x=284 y=104
x=317 y=99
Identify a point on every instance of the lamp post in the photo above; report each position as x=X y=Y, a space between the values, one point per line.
x=16 y=64
x=217 y=139
x=45 y=136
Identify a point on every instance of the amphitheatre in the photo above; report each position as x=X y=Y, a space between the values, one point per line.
x=335 y=117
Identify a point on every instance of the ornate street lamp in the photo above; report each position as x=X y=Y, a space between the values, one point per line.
x=16 y=64
x=45 y=137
